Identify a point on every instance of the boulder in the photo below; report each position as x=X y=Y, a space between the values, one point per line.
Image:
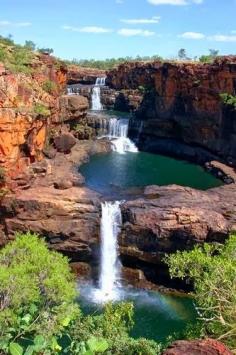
x=64 y=143
x=198 y=347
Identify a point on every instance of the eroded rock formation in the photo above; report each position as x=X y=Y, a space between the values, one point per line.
x=173 y=218
x=198 y=347
x=32 y=110
x=182 y=102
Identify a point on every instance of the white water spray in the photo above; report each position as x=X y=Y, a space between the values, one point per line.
x=100 y=81
x=96 y=99
x=118 y=134
x=110 y=269
x=96 y=94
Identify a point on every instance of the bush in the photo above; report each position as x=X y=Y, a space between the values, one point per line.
x=228 y=99
x=113 y=325
x=212 y=268
x=41 y=110
x=37 y=292
x=49 y=86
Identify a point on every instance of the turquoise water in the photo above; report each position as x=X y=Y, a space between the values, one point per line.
x=157 y=316
x=106 y=172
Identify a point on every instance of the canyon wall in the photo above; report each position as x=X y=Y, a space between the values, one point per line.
x=31 y=109
x=181 y=102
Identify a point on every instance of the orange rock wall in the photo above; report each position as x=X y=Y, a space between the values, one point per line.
x=22 y=131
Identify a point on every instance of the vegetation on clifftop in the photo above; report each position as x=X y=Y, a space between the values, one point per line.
x=212 y=269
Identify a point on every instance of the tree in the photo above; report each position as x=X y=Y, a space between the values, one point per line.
x=37 y=291
x=213 y=53
x=182 y=54
x=30 y=45
x=212 y=269
x=46 y=50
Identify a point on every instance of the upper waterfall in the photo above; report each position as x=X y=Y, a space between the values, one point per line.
x=100 y=81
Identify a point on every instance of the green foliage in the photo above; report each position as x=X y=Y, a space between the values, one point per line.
x=212 y=269
x=113 y=325
x=182 y=54
x=110 y=63
x=30 y=45
x=7 y=40
x=39 y=314
x=46 y=50
x=210 y=57
x=37 y=292
x=206 y=59
x=49 y=86
x=228 y=99
x=41 y=110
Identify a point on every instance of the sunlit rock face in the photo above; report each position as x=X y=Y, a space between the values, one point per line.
x=29 y=112
x=196 y=347
x=182 y=101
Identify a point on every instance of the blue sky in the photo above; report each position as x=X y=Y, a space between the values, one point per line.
x=115 y=28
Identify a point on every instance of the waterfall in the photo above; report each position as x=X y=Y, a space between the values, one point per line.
x=110 y=270
x=96 y=94
x=100 y=81
x=118 y=134
x=96 y=99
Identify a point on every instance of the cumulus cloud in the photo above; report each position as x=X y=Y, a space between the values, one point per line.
x=175 y=2
x=192 y=35
x=223 y=38
x=15 y=24
x=87 y=29
x=154 y=19
x=127 y=32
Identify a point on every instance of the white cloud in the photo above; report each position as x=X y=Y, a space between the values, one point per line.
x=154 y=19
x=120 y=1
x=87 y=29
x=15 y=24
x=223 y=38
x=127 y=32
x=175 y=2
x=192 y=35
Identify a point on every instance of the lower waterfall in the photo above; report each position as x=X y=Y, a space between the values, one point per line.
x=118 y=134
x=110 y=268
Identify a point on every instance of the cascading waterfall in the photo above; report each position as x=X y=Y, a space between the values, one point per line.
x=96 y=99
x=118 y=134
x=96 y=94
x=100 y=81
x=110 y=270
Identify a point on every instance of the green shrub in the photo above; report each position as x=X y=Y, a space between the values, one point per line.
x=37 y=292
x=41 y=110
x=228 y=99
x=212 y=269
x=113 y=325
x=49 y=86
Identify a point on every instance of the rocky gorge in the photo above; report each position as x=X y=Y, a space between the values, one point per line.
x=54 y=202
x=47 y=134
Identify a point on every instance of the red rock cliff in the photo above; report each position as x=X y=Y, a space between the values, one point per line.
x=30 y=107
x=182 y=101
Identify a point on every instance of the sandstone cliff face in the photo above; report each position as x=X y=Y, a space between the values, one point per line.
x=182 y=101
x=30 y=106
x=173 y=218
x=81 y=75
x=197 y=347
